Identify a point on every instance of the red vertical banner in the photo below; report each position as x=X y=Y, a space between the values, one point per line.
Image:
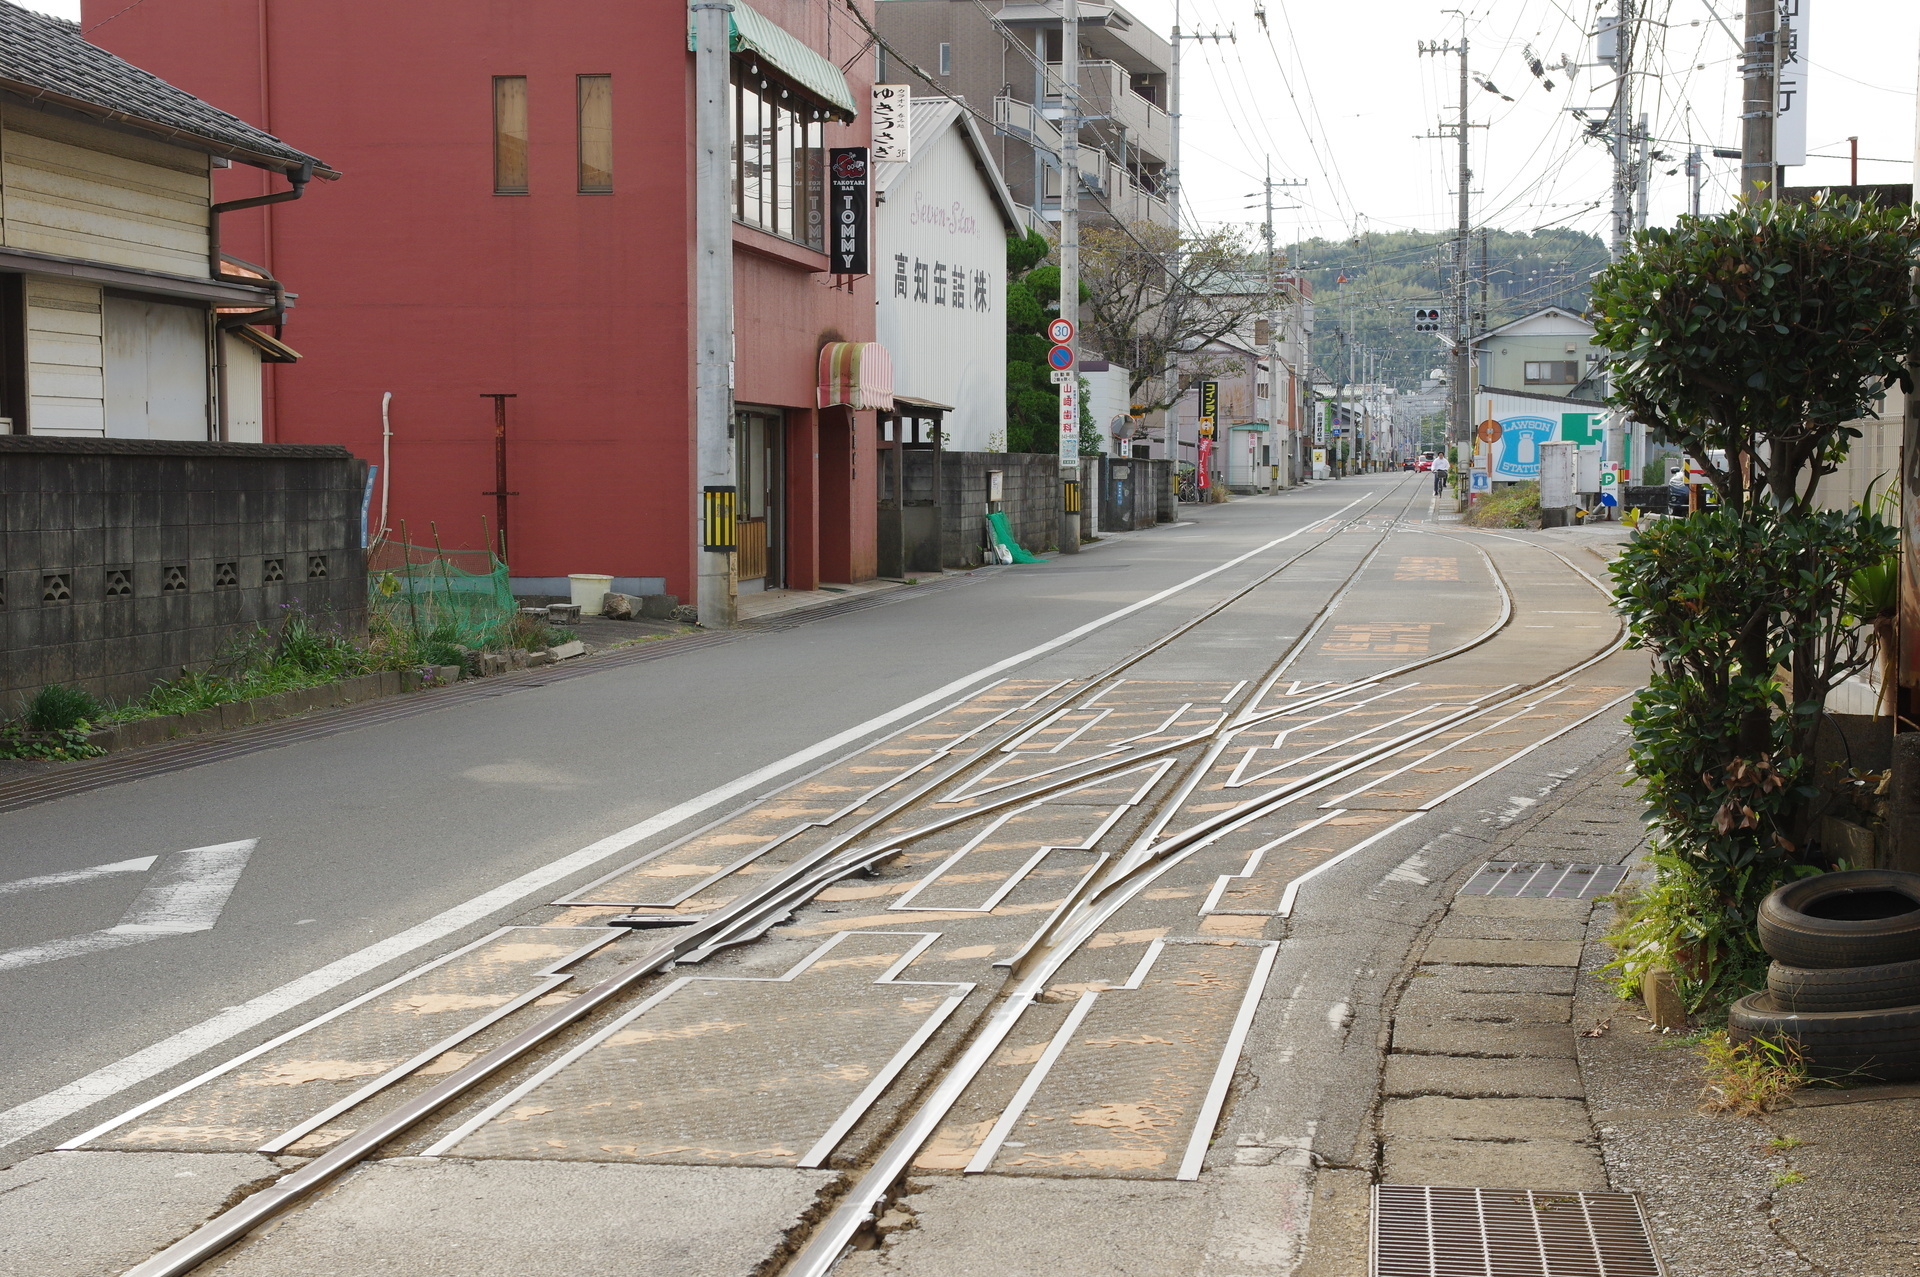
x=1206 y=461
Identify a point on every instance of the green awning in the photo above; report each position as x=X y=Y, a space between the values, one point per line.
x=792 y=58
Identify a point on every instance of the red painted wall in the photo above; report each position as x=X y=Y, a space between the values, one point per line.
x=413 y=277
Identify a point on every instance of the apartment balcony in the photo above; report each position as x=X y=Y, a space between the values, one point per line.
x=1028 y=123
x=1107 y=99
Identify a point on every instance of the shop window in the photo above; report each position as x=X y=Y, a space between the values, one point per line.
x=779 y=158
x=596 y=134
x=509 y=135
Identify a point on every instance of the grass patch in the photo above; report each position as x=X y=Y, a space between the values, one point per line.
x=1752 y=1077
x=1514 y=506
x=1782 y=1179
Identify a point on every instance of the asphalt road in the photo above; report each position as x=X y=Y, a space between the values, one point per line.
x=399 y=836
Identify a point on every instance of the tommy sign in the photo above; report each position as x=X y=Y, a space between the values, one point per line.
x=847 y=236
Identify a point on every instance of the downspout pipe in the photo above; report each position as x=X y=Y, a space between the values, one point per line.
x=298 y=177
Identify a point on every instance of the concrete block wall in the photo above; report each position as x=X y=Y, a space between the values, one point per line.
x=1029 y=497
x=122 y=560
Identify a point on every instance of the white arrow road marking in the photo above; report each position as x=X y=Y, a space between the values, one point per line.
x=20 y=886
x=186 y=896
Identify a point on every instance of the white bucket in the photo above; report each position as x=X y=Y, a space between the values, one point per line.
x=589 y=591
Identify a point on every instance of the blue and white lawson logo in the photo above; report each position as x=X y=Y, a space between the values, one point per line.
x=847 y=171
x=1517 y=455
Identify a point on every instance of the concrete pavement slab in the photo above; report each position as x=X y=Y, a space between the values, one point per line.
x=1519 y=907
x=1477 y=926
x=1421 y=1003
x=1460 y=1037
x=431 y=1218
x=1442 y=1117
x=1483 y=979
x=98 y=1214
x=1555 y=1165
x=1505 y=953
x=1468 y=1078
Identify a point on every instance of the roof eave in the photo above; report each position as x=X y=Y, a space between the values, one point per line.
x=35 y=95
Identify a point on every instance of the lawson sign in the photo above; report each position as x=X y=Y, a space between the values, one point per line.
x=1525 y=425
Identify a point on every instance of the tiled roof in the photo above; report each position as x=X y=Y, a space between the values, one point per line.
x=45 y=58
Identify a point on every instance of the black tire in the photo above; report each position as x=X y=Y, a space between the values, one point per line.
x=1866 y=1046
x=1896 y=984
x=1855 y=918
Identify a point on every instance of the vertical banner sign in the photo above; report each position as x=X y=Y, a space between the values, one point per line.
x=1070 y=424
x=1209 y=408
x=847 y=236
x=1790 y=84
x=1201 y=477
x=892 y=138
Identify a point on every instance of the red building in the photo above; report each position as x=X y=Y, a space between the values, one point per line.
x=515 y=218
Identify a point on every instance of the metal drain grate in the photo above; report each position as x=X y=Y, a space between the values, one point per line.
x=1543 y=880
x=1508 y=1232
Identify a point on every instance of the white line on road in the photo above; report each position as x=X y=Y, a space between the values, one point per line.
x=191 y=890
x=42 y=1111
x=19 y=886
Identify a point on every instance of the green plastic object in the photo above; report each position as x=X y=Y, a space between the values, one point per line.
x=460 y=596
x=1003 y=538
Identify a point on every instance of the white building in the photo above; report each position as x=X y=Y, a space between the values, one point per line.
x=940 y=251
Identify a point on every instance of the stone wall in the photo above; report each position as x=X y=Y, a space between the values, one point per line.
x=122 y=560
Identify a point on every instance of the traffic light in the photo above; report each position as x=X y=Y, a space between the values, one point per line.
x=1426 y=319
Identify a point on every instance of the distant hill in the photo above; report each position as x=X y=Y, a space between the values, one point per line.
x=1387 y=275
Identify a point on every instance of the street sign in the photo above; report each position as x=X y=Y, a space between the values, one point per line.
x=1488 y=431
x=1060 y=358
x=1481 y=481
x=1608 y=478
x=1061 y=331
x=1070 y=426
x=1061 y=376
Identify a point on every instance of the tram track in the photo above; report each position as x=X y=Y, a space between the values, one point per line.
x=1108 y=886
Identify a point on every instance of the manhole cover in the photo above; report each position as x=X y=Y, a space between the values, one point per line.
x=1508 y=1232
x=1543 y=880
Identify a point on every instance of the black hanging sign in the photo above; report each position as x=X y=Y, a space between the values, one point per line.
x=847 y=239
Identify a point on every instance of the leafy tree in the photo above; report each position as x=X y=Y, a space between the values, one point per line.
x=1762 y=332
x=1153 y=292
x=1033 y=298
x=1759 y=332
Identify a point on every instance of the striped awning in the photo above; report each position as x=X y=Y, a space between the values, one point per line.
x=858 y=374
x=753 y=33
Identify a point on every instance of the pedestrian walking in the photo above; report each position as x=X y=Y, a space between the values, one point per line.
x=1439 y=473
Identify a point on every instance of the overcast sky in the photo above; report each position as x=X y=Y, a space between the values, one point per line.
x=1336 y=92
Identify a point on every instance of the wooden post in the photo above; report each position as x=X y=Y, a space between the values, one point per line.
x=500 y=493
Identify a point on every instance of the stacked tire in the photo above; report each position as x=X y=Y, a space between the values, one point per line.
x=1845 y=978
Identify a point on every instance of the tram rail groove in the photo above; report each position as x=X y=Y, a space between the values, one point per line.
x=1110 y=884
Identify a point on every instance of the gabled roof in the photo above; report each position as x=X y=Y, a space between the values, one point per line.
x=928 y=118
x=1548 y=321
x=44 y=60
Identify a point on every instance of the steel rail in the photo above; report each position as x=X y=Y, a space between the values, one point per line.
x=776 y=900
x=1094 y=901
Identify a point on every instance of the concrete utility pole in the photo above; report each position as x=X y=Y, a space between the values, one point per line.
x=1273 y=312
x=715 y=485
x=1069 y=537
x=1696 y=169
x=1617 y=47
x=1757 y=105
x=1460 y=427
x=1642 y=177
x=1172 y=185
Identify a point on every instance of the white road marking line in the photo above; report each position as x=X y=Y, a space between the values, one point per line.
x=44 y=1110
x=191 y=890
x=20 y=886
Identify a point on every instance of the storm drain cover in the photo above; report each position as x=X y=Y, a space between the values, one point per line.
x=1508 y=1232
x=1537 y=879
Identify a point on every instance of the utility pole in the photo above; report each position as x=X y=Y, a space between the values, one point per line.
x=1069 y=537
x=1696 y=169
x=715 y=485
x=1616 y=39
x=1273 y=308
x=1757 y=103
x=1173 y=198
x=1461 y=424
x=1642 y=177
